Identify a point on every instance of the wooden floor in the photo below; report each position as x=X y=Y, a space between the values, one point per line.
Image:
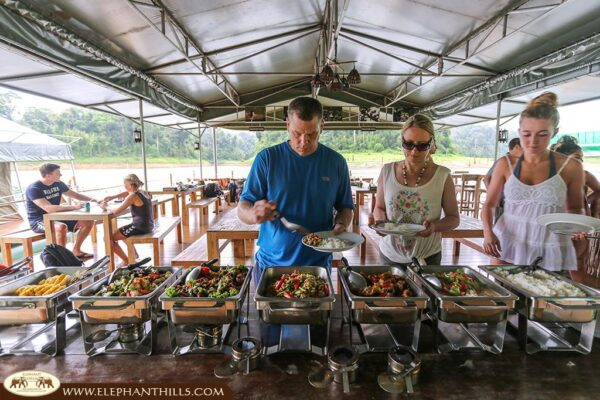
x=194 y=231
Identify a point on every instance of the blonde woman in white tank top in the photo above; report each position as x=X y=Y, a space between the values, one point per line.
x=541 y=182
x=416 y=190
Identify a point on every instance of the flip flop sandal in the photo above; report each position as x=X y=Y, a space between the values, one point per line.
x=85 y=256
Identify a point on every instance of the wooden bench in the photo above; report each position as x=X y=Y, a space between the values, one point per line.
x=161 y=201
x=203 y=204
x=24 y=238
x=163 y=226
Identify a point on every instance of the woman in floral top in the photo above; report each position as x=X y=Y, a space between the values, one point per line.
x=416 y=190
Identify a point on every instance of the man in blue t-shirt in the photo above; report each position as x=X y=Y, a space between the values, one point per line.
x=44 y=196
x=304 y=181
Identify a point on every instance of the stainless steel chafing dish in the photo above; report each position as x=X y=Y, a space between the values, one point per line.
x=384 y=310
x=205 y=310
x=577 y=309
x=15 y=271
x=16 y=309
x=280 y=310
x=491 y=306
x=119 y=310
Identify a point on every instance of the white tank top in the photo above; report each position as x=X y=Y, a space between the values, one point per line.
x=410 y=204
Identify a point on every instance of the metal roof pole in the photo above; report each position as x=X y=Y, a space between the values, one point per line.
x=498 y=109
x=215 y=150
x=200 y=134
x=143 y=143
x=18 y=181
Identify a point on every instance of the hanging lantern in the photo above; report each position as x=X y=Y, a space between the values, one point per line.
x=316 y=82
x=354 y=77
x=326 y=75
x=196 y=145
x=137 y=135
x=503 y=135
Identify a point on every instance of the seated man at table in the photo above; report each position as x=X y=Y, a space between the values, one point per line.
x=303 y=181
x=44 y=196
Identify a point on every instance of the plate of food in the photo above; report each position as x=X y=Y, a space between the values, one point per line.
x=397 y=228
x=326 y=242
x=568 y=224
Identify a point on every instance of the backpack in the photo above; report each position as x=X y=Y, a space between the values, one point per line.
x=232 y=191
x=212 y=190
x=55 y=255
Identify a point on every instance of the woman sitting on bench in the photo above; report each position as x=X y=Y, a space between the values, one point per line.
x=140 y=206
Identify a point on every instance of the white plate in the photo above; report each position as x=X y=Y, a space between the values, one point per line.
x=394 y=228
x=569 y=223
x=353 y=240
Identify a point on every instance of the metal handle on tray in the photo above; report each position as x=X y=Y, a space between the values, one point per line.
x=410 y=305
x=180 y=307
x=497 y=307
x=91 y=306
x=293 y=309
x=588 y=306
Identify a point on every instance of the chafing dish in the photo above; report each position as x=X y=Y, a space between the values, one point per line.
x=205 y=316
x=280 y=310
x=119 y=310
x=549 y=308
x=551 y=322
x=15 y=271
x=467 y=321
x=205 y=310
x=491 y=306
x=28 y=321
x=384 y=310
x=16 y=309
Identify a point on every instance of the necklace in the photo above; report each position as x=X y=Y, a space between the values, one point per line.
x=419 y=177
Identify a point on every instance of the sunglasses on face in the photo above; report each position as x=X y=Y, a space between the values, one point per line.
x=419 y=146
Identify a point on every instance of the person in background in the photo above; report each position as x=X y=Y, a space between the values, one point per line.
x=44 y=197
x=140 y=206
x=514 y=152
x=540 y=182
x=568 y=146
x=416 y=190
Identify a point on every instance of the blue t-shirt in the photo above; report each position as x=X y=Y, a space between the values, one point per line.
x=38 y=190
x=306 y=190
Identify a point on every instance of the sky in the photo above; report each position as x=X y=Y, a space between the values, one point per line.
x=581 y=117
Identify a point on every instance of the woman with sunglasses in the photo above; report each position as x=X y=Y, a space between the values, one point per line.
x=416 y=190
x=540 y=182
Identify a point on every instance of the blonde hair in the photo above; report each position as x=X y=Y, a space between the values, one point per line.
x=419 y=121
x=543 y=107
x=134 y=181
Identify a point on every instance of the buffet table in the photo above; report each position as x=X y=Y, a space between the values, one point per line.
x=457 y=375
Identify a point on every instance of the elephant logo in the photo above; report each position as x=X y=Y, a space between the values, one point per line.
x=31 y=383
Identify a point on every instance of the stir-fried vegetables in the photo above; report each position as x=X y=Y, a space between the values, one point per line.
x=298 y=286
x=385 y=285
x=137 y=283
x=458 y=283
x=312 y=239
x=218 y=283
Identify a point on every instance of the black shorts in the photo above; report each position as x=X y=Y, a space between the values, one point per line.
x=38 y=226
x=130 y=230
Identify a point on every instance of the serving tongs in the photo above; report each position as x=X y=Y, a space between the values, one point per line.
x=430 y=278
x=291 y=226
x=15 y=267
x=195 y=272
x=128 y=269
x=87 y=271
x=529 y=269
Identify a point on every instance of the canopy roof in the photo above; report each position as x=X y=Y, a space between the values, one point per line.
x=206 y=62
x=19 y=143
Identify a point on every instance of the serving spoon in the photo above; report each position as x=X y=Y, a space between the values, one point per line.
x=430 y=278
x=290 y=225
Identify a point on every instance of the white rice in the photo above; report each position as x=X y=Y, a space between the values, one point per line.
x=392 y=226
x=541 y=283
x=335 y=243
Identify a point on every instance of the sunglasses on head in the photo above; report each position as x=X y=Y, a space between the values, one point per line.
x=420 y=146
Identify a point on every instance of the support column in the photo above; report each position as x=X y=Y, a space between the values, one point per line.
x=498 y=109
x=143 y=144
x=215 y=150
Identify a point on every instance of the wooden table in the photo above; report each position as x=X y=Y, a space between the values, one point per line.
x=359 y=194
x=227 y=226
x=95 y=214
x=469 y=228
x=179 y=203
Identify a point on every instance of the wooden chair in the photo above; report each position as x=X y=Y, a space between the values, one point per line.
x=24 y=238
x=164 y=225
x=470 y=194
